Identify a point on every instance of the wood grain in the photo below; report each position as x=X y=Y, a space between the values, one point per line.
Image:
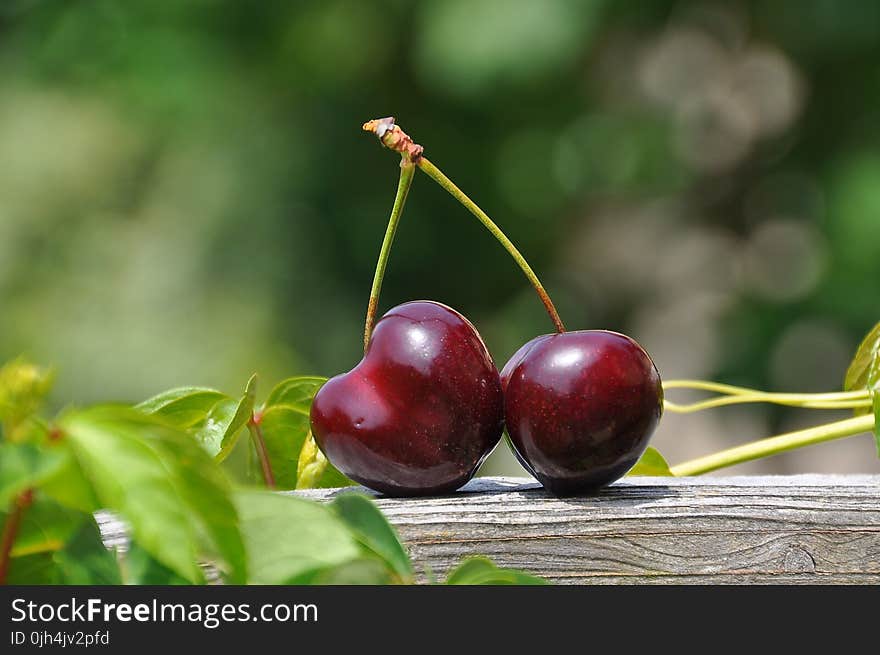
x=736 y=530
x=809 y=529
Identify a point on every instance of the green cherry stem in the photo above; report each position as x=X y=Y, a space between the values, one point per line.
x=762 y=398
x=437 y=175
x=738 y=400
x=407 y=170
x=775 y=445
x=705 y=385
x=731 y=395
x=393 y=138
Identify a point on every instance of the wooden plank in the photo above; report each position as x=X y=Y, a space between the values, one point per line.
x=737 y=530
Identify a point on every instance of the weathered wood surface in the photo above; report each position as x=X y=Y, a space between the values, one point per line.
x=803 y=529
x=792 y=529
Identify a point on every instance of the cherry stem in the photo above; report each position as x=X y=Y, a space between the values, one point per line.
x=10 y=530
x=260 y=448
x=706 y=385
x=732 y=395
x=407 y=170
x=775 y=445
x=437 y=175
x=393 y=138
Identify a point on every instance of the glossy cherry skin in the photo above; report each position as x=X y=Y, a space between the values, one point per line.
x=580 y=407
x=420 y=412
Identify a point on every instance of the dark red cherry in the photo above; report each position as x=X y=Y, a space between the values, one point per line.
x=420 y=412
x=580 y=407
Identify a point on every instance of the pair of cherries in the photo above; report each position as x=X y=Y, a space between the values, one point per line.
x=426 y=405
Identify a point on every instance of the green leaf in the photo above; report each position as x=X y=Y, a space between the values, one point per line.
x=877 y=421
x=366 y=571
x=296 y=392
x=332 y=478
x=482 y=571
x=50 y=466
x=864 y=370
x=866 y=355
x=214 y=419
x=314 y=470
x=287 y=537
x=23 y=387
x=46 y=526
x=296 y=461
x=218 y=432
x=211 y=432
x=175 y=497
x=33 y=570
x=651 y=463
x=285 y=429
x=70 y=486
x=83 y=560
x=370 y=527
x=25 y=465
x=183 y=407
x=311 y=465
x=243 y=413
x=140 y=568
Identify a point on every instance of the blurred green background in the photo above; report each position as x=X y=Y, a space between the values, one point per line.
x=186 y=196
